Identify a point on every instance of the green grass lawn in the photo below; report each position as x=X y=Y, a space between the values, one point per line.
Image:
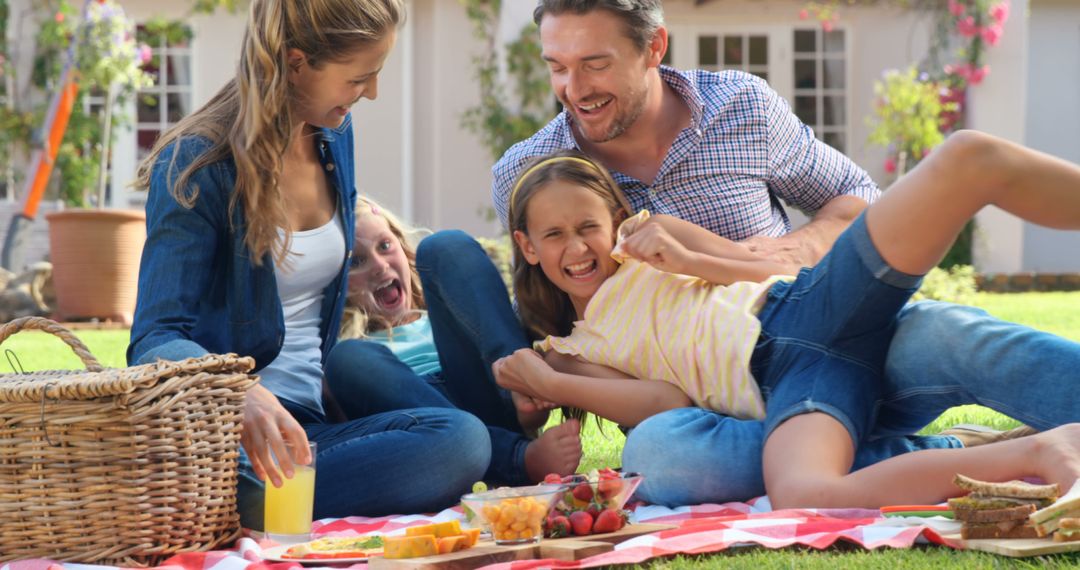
x=1055 y=312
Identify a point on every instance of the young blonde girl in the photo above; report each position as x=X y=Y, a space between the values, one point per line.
x=249 y=221
x=803 y=358
x=400 y=355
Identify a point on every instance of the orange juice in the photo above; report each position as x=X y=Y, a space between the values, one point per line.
x=289 y=507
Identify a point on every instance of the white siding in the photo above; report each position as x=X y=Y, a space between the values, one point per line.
x=1053 y=119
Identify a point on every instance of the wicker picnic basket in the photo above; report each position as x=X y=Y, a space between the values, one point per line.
x=123 y=466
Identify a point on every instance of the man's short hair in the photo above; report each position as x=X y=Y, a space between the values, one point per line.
x=641 y=17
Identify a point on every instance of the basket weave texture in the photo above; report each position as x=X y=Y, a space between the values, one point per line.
x=120 y=466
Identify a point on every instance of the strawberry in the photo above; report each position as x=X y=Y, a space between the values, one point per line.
x=553 y=478
x=581 y=522
x=609 y=520
x=557 y=527
x=608 y=488
x=583 y=492
x=608 y=473
x=593 y=509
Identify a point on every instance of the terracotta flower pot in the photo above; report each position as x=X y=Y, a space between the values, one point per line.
x=95 y=256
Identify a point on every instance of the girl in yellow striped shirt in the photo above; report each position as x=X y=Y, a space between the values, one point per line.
x=617 y=298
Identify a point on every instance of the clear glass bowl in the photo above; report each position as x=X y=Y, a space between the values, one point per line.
x=609 y=493
x=512 y=515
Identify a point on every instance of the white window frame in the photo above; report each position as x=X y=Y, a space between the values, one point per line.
x=781 y=59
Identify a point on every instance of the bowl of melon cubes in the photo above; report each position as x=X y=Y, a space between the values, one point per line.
x=513 y=515
x=430 y=539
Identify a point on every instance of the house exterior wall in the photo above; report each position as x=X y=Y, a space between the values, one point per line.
x=1053 y=119
x=414 y=156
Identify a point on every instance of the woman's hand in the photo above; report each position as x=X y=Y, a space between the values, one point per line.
x=524 y=372
x=267 y=428
x=652 y=244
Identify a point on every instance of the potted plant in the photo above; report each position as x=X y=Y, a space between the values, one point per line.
x=95 y=251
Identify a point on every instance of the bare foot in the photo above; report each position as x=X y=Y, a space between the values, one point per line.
x=557 y=450
x=532 y=414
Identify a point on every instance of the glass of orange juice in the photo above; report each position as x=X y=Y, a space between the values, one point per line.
x=288 y=508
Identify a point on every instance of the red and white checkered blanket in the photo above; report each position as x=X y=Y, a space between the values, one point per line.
x=701 y=529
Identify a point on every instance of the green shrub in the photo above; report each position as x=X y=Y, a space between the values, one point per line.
x=501 y=253
x=955 y=285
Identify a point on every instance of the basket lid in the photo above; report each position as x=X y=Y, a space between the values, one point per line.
x=83 y=385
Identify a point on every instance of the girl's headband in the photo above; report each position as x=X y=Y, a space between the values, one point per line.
x=535 y=167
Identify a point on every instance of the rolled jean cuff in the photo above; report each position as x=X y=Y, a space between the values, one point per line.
x=774 y=420
x=872 y=260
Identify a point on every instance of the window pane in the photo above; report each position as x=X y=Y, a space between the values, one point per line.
x=151 y=68
x=835 y=140
x=759 y=50
x=179 y=72
x=834 y=73
x=805 y=74
x=179 y=106
x=806 y=110
x=733 y=51
x=667 y=54
x=834 y=41
x=708 y=46
x=148 y=108
x=805 y=41
x=835 y=112
x=146 y=139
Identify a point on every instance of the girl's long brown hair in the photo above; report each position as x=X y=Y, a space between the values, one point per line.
x=250 y=118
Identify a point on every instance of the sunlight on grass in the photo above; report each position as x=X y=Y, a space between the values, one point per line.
x=36 y=350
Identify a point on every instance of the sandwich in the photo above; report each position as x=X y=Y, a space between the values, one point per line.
x=1068 y=530
x=1050 y=518
x=1000 y=510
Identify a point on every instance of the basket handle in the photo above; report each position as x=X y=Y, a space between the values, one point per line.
x=53 y=327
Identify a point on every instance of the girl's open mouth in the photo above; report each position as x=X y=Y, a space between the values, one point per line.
x=583 y=270
x=390 y=296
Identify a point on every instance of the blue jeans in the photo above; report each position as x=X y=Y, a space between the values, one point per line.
x=473 y=325
x=941 y=355
x=409 y=461
x=825 y=335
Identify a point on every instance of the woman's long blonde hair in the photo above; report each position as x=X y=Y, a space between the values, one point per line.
x=357 y=323
x=544 y=308
x=250 y=119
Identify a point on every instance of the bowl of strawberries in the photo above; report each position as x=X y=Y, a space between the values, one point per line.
x=592 y=503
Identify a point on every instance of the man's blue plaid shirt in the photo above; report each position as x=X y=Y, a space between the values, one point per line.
x=743 y=152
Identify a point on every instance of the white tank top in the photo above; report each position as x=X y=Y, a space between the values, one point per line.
x=313 y=262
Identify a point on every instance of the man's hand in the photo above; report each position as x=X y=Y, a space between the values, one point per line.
x=267 y=428
x=524 y=372
x=652 y=244
x=806 y=246
x=786 y=250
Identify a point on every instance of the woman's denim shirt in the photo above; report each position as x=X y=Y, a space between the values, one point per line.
x=199 y=292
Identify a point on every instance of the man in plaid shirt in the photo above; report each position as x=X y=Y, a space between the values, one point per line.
x=722 y=150
x=717 y=149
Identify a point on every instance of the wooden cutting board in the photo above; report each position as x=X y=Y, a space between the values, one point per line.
x=1015 y=547
x=486 y=552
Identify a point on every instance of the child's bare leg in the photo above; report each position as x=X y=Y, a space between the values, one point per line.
x=806 y=460
x=557 y=450
x=918 y=218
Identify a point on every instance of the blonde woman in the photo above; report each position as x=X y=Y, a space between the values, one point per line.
x=250 y=224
